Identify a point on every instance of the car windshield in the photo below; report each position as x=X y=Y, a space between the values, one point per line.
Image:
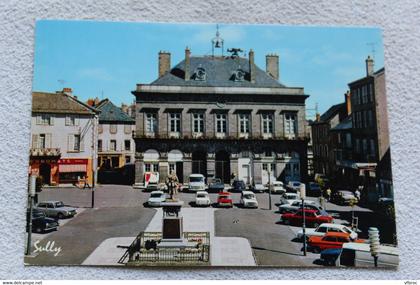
x=296 y=183
x=224 y=197
x=59 y=204
x=249 y=196
x=289 y=196
x=215 y=181
x=239 y=183
x=38 y=214
x=196 y=179
x=201 y=195
x=347 y=230
x=155 y=195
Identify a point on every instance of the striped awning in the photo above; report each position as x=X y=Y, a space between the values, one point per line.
x=72 y=168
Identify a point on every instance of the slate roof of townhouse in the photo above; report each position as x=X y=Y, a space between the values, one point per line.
x=59 y=103
x=112 y=114
x=220 y=72
x=331 y=112
x=346 y=124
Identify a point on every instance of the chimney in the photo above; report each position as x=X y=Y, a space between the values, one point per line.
x=369 y=66
x=318 y=117
x=252 y=71
x=272 y=65
x=187 y=64
x=67 y=91
x=164 y=62
x=347 y=97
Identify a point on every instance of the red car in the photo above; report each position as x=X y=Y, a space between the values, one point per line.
x=311 y=218
x=224 y=199
x=330 y=240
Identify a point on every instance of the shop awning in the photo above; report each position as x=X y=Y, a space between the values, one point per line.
x=72 y=168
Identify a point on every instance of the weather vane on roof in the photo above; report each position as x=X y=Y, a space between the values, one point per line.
x=217 y=42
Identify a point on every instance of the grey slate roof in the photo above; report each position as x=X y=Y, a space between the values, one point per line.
x=59 y=103
x=346 y=124
x=112 y=114
x=219 y=72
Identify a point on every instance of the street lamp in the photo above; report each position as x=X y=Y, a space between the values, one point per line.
x=32 y=190
x=269 y=189
x=374 y=244
x=302 y=190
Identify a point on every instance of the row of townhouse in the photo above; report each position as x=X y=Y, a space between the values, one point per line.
x=73 y=140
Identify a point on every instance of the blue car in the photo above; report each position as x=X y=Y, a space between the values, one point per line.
x=329 y=256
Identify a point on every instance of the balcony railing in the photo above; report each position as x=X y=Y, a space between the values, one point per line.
x=44 y=152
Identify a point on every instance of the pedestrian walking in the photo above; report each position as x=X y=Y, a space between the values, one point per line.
x=357 y=194
x=328 y=192
x=86 y=185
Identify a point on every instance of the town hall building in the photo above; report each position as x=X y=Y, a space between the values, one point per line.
x=221 y=116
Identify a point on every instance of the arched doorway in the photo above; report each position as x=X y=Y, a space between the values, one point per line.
x=45 y=173
x=175 y=158
x=199 y=163
x=245 y=167
x=223 y=166
x=151 y=160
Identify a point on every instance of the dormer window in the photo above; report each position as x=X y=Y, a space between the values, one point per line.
x=200 y=74
x=239 y=75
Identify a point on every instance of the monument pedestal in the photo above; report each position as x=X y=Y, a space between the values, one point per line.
x=172 y=231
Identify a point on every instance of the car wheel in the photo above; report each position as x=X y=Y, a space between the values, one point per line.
x=60 y=215
x=316 y=249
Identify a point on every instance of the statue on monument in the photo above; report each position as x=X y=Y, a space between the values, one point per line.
x=172 y=182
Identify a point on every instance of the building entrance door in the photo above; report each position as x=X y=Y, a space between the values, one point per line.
x=45 y=173
x=223 y=166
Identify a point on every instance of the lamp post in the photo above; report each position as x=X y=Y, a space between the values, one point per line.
x=374 y=244
x=269 y=189
x=32 y=190
x=302 y=190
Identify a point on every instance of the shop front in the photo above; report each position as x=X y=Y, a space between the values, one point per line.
x=70 y=170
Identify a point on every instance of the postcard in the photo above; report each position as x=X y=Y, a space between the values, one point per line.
x=209 y=145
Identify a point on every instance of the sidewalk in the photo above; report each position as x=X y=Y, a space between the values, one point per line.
x=225 y=251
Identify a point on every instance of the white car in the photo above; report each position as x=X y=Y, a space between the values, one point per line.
x=277 y=187
x=296 y=205
x=327 y=227
x=289 y=198
x=156 y=198
x=248 y=200
x=259 y=188
x=196 y=182
x=202 y=198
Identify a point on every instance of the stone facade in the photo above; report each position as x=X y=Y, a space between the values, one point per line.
x=242 y=127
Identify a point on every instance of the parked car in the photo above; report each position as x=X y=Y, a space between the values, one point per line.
x=293 y=186
x=330 y=240
x=313 y=189
x=156 y=198
x=344 y=197
x=202 y=198
x=238 y=186
x=358 y=255
x=288 y=198
x=196 y=182
x=296 y=205
x=258 y=187
x=248 y=200
x=325 y=228
x=312 y=218
x=40 y=222
x=56 y=209
x=277 y=187
x=217 y=185
x=330 y=256
x=224 y=199
x=151 y=181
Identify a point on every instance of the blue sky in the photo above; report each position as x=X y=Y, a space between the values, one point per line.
x=108 y=59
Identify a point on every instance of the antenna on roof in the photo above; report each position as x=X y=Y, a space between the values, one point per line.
x=372 y=46
x=217 y=42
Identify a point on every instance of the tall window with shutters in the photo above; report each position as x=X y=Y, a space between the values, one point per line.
x=290 y=125
x=72 y=120
x=41 y=141
x=45 y=119
x=75 y=143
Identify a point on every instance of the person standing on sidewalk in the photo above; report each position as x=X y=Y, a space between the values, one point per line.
x=328 y=193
